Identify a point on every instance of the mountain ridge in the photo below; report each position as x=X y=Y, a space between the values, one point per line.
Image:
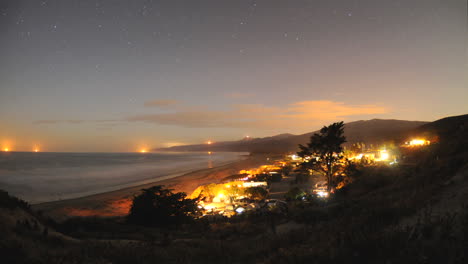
x=373 y=131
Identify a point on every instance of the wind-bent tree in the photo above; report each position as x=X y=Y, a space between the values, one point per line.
x=325 y=149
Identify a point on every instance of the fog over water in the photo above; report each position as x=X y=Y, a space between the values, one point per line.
x=42 y=177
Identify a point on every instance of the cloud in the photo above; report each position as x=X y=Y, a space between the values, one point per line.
x=327 y=110
x=75 y=121
x=299 y=114
x=237 y=95
x=71 y=121
x=161 y=103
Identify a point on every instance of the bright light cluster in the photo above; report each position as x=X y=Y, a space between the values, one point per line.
x=419 y=142
x=384 y=155
x=322 y=194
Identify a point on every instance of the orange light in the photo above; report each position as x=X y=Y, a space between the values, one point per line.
x=209 y=152
x=36 y=150
x=418 y=142
x=209 y=142
x=143 y=151
x=6 y=149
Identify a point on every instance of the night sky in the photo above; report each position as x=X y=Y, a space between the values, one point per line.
x=113 y=75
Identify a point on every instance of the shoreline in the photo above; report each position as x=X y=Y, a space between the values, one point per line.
x=118 y=202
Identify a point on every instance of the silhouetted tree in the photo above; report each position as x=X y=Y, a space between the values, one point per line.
x=157 y=206
x=295 y=194
x=256 y=193
x=233 y=192
x=326 y=149
x=286 y=170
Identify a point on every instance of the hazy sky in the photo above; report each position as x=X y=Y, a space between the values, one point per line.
x=119 y=75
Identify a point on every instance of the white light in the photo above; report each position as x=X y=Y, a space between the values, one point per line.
x=240 y=210
x=322 y=194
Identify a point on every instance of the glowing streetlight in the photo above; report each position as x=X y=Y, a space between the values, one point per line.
x=384 y=155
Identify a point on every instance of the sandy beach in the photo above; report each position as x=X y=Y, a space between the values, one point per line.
x=117 y=203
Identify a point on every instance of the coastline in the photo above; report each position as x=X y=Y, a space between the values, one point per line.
x=118 y=202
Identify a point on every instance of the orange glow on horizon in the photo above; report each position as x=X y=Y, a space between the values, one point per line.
x=143 y=150
x=209 y=142
x=6 y=149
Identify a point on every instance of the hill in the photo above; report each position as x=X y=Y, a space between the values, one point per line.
x=373 y=131
x=413 y=213
x=444 y=129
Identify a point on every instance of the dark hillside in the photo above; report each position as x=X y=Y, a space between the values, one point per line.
x=445 y=129
x=408 y=213
x=373 y=131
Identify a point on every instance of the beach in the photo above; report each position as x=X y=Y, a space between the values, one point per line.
x=118 y=202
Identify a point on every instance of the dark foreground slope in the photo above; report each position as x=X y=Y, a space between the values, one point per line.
x=373 y=131
x=413 y=213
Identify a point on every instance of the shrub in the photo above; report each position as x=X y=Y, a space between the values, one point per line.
x=11 y=202
x=295 y=194
x=161 y=207
x=256 y=193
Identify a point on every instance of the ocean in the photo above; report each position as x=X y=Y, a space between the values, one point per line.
x=47 y=176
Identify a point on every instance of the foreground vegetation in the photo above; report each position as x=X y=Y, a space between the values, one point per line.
x=411 y=213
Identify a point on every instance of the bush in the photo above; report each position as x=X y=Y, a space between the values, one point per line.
x=256 y=193
x=161 y=207
x=295 y=194
x=11 y=202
